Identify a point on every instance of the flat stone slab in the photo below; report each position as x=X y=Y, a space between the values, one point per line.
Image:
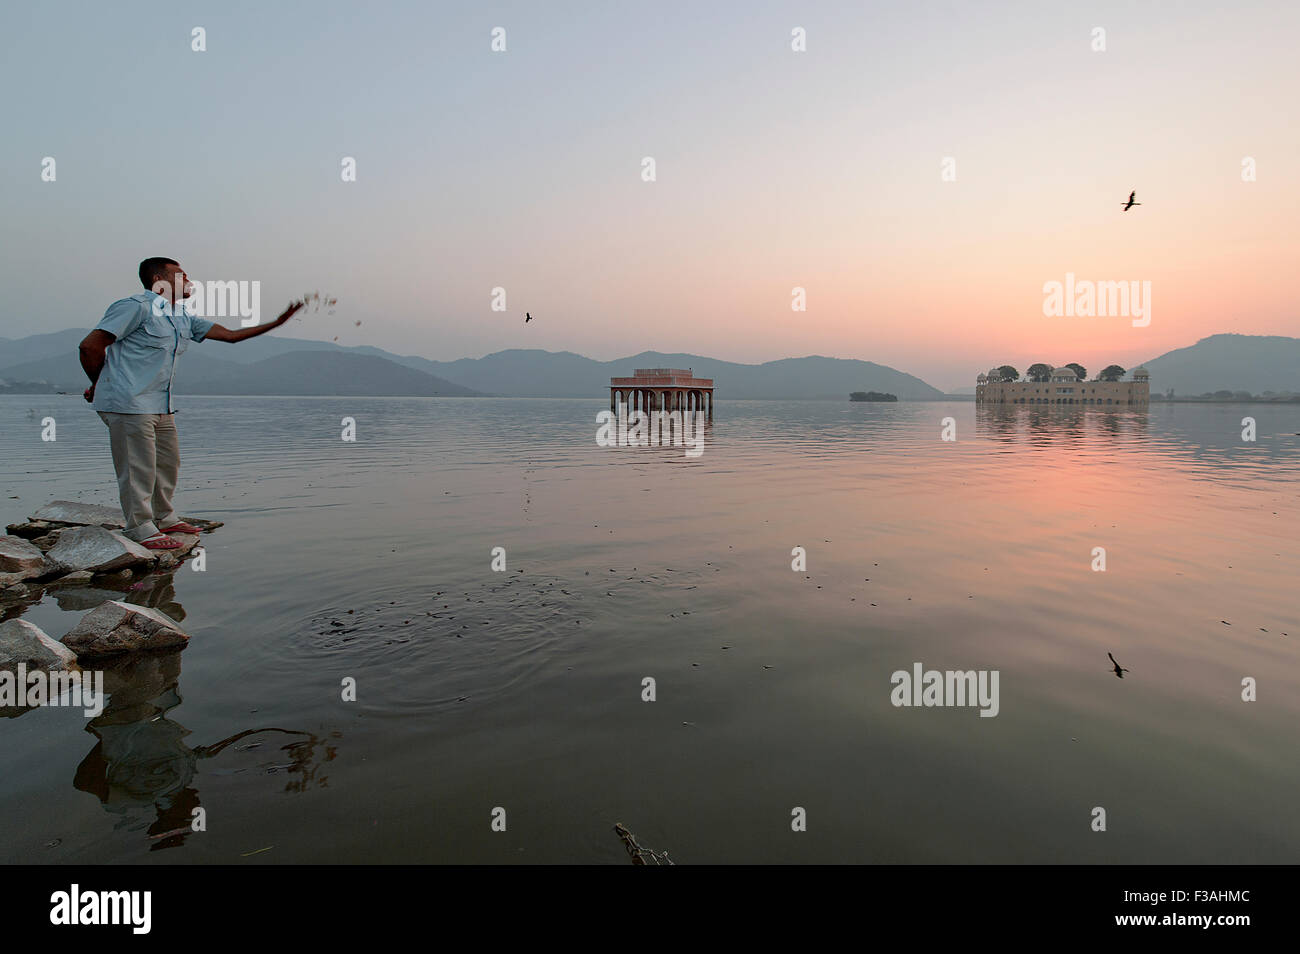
x=72 y=511
x=23 y=642
x=75 y=513
x=98 y=550
x=116 y=627
x=75 y=578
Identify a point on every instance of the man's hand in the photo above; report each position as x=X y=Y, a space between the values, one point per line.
x=293 y=309
x=89 y=394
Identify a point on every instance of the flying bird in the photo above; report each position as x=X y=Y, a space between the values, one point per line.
x=1119 y=670
x=1132 y=201
x=527 y=317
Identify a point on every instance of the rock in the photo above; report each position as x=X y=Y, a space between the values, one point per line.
x=76 y=576
x=20 y=561
x=82 y=514
x=117 y=627
x=46 y=542
x=19 y=556
x=32 y=528
x=22 y=642
x=15 y=591
x=98 y=550
x=170 y=558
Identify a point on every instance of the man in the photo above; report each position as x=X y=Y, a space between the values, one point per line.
x=130 y=359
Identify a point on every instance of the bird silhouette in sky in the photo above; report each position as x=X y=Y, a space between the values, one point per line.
x=1132 y=201
x=1119 y=670
x=527 y=317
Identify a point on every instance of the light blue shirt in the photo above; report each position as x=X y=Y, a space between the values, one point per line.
x=141 y=362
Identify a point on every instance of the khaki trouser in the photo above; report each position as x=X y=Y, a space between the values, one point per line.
x=147 y=458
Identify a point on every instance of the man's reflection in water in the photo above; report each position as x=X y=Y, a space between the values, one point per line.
x=142 y=768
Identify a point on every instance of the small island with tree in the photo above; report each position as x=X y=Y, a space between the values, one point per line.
x=872 y=396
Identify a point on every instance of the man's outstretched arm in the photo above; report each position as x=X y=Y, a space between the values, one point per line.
x=222 y=333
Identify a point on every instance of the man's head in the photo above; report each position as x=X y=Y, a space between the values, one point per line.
x=165 y=277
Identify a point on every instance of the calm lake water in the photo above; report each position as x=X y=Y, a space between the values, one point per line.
x=523 y=689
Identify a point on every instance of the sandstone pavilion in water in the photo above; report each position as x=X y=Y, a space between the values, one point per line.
x=663 y=389
x=1064 y=388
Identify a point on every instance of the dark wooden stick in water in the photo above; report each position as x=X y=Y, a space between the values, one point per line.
x=629 y=842
x=637 y=853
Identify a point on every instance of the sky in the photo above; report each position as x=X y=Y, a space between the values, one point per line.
x=775 y=169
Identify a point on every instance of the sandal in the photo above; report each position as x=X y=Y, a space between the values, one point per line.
x=182 y=527
x=161 y=542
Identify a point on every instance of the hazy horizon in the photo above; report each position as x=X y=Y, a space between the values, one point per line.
x=958 y=387
x=775 y=169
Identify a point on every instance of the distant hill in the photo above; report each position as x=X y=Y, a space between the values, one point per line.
x=320 y=372
x=63 y=371
x=14 y=351
x=216 y=369
x=564 y=374
x=297 y=372
x=1254 y=363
